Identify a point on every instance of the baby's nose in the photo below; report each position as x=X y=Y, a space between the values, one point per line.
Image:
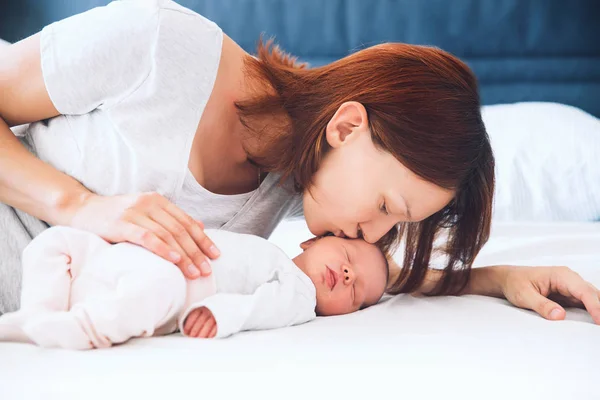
x=348 y=275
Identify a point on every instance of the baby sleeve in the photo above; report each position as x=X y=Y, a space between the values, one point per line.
x=94 y=59
x=284 y=301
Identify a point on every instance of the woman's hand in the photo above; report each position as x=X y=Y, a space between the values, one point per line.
x=535 y=288
x=151 y=221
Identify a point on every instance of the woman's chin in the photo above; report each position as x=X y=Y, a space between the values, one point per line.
x=316 y=229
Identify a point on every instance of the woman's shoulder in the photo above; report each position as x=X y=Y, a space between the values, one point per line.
x=188 y=33
x=131 y=24
x=170 y=6
x=131 y=40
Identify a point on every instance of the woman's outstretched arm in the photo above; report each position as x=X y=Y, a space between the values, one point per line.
x=485 y=281
x=533 y=288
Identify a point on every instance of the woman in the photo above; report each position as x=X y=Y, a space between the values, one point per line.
x=160 y=125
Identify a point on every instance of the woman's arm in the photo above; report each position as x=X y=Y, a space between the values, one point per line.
x=533 y=288
x=486 y=281
x=27 y=183
x=33 y=186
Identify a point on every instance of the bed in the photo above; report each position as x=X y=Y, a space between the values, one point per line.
x=406 y=346
x=447 y=347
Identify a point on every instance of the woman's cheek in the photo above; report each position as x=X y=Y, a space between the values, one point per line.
x=312 y=214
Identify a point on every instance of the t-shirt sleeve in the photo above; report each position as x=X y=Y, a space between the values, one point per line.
x=297 y=208
x=95 y=59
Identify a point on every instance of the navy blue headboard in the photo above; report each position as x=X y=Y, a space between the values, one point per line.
x=521 y=50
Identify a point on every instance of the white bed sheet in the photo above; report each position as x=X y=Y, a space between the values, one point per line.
x=445 y=347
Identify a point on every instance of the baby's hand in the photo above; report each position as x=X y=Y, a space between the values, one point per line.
x=200 y=323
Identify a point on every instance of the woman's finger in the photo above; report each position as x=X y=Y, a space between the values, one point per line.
x=591 y=301
x=194 y=263
x=178 y=227
x=142 y=236
x=184 y=263
x=573 y=286
x=164 y=225
x=588 y=295
x=195 y=230
x=530 y=298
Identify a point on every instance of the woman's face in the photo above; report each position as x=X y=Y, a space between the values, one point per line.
x=360 y=189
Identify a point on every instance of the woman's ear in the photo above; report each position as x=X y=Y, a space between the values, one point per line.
x=348 y=122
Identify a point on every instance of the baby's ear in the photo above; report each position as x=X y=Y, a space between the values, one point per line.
x=306 y=244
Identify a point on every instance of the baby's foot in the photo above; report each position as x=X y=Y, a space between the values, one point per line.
x=57 y=329
x=13 y=333
x=11 y=326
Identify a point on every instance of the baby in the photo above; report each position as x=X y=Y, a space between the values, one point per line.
x=81 y=292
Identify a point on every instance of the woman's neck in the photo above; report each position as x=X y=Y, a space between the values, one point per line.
x=219 y=158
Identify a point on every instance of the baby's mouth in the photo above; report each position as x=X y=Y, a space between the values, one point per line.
x=330 y=277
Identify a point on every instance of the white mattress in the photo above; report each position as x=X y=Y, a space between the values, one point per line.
x=405 y=347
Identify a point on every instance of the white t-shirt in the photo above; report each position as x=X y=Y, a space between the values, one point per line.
x=132 y=80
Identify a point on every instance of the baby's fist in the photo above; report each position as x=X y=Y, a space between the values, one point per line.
x=200 y=323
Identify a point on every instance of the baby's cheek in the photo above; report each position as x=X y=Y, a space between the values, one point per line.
x=333 y=304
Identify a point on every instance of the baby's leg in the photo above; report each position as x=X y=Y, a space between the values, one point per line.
x=149 y=292
x=50 y=262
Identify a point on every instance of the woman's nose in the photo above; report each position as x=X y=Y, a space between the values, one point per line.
x=375 y=229
x=347 y=275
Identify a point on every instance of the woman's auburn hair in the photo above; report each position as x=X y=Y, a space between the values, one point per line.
x=423 y=107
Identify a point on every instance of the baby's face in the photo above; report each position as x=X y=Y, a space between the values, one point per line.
x=349 y=274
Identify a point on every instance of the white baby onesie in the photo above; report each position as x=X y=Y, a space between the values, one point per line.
x=81 y=292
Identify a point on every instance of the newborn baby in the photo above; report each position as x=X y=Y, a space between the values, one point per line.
x=81 y=292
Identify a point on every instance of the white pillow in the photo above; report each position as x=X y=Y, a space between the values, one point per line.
x=547 y=162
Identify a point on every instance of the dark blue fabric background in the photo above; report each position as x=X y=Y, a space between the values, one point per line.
x=521 y=50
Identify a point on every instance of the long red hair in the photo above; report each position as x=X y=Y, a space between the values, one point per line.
x=423 y=107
